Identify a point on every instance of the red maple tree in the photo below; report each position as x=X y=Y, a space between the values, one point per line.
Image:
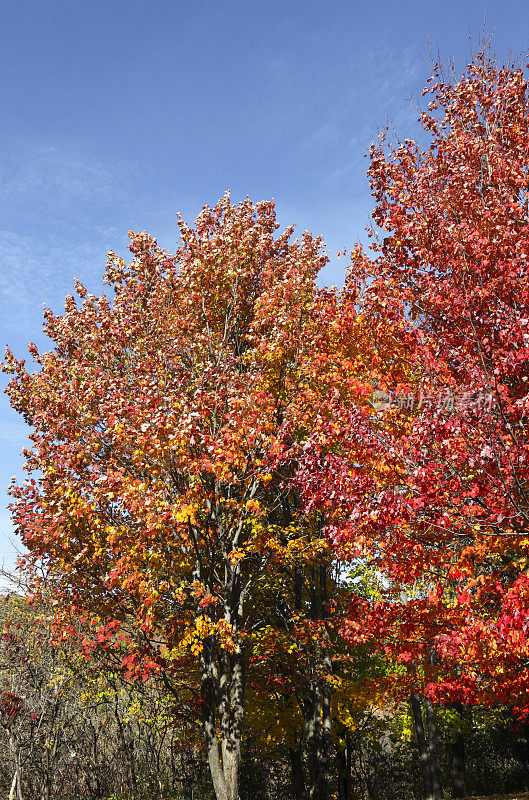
x=441 y=498
x=165 y=423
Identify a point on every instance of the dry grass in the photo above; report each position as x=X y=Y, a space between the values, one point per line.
x=518 y=796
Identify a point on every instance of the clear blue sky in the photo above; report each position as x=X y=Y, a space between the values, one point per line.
x=117 y=114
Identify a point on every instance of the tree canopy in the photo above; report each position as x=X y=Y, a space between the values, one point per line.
x=220 y=443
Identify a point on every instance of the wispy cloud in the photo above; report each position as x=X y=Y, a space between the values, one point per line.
x=35 y=270
x=58 y=173
x=338 y=111
x=55 y=206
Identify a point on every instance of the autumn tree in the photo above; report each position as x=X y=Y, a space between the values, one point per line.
x=166 y=422
x=455 y=255
x=432 y=485
x=421 y=469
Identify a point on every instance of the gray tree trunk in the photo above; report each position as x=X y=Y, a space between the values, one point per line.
x=208 y=692
x=457 y=748
x=326 y=722
x=222 y=694
x=433 y=750
x=422 y=746
x=317 y=711
x=312 y=737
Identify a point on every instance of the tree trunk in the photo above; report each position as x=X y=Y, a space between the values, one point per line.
x=312 y=736
x=222 y=694
x=326 y=722
x=433 y=750
x=316 y=704
x=13 y=785
x=233 y=749
x=422 y=746
x=318 y=730
x=349 y=759
x=343 y=758
x=296 y=772
x=318 y=738
x=457 y=750
x=207 y=692
x=342 y=773
x=17 y=778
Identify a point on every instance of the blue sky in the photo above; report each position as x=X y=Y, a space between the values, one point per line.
x=119 y=114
